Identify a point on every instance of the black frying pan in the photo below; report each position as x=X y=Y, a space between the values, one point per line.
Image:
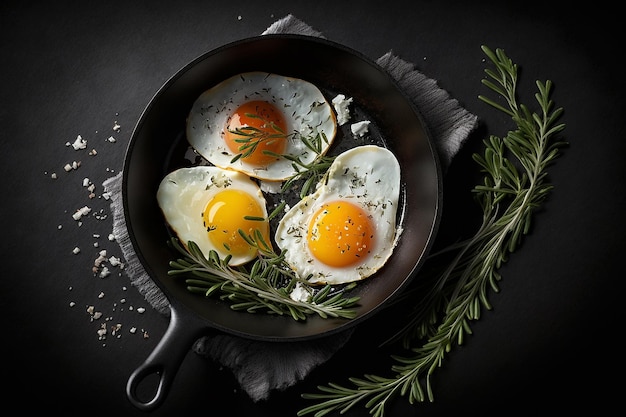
x=158 y=146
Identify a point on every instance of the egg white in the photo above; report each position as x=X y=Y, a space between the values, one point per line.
x=368 y=176
x=306 y=110
x=183 y=195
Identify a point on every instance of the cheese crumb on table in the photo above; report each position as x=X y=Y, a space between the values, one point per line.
x=104 y=265
x=341 y=105
x=360 y=128
x=79 y=143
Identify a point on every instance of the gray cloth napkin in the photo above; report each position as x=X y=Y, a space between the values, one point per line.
x=261 y=367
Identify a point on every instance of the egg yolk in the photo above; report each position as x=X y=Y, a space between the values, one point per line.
x=340 y=234
x=225 y=214
x=255 y=128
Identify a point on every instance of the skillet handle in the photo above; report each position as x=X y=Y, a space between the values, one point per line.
x=164 y=361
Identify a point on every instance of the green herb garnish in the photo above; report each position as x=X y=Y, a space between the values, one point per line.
x=308 y=173
x=510 y=193
x=265 y=286
x=251 y=137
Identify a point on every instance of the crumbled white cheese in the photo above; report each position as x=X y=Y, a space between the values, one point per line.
x=74 y=165
x=79 y=143
x=83 y=211
x=300 y=293
x=104 y=272
x=115 y=261
x=99 y=260
x=360 y=128
x=103 y=264
x=100 y=215
x=115 y=328
x=102 y=331
x=271 y=187
x=341 y=105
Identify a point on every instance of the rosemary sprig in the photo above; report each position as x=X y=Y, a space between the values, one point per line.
x=309 y=173
x=264 y=286
x=509 y=195
x=251 y=137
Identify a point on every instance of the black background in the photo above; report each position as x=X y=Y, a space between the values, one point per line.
x=551 y=341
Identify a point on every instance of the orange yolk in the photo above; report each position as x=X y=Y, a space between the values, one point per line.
x=256 y=127
x=340 y=234
x=224 y=216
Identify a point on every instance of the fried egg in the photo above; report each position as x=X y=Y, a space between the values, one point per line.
x=209 y=205
x=347 y=229
x=247 y=122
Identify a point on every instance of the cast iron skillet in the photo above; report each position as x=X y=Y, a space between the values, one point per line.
x=158 y=146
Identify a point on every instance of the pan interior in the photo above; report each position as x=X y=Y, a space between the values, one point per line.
x=158 y=146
